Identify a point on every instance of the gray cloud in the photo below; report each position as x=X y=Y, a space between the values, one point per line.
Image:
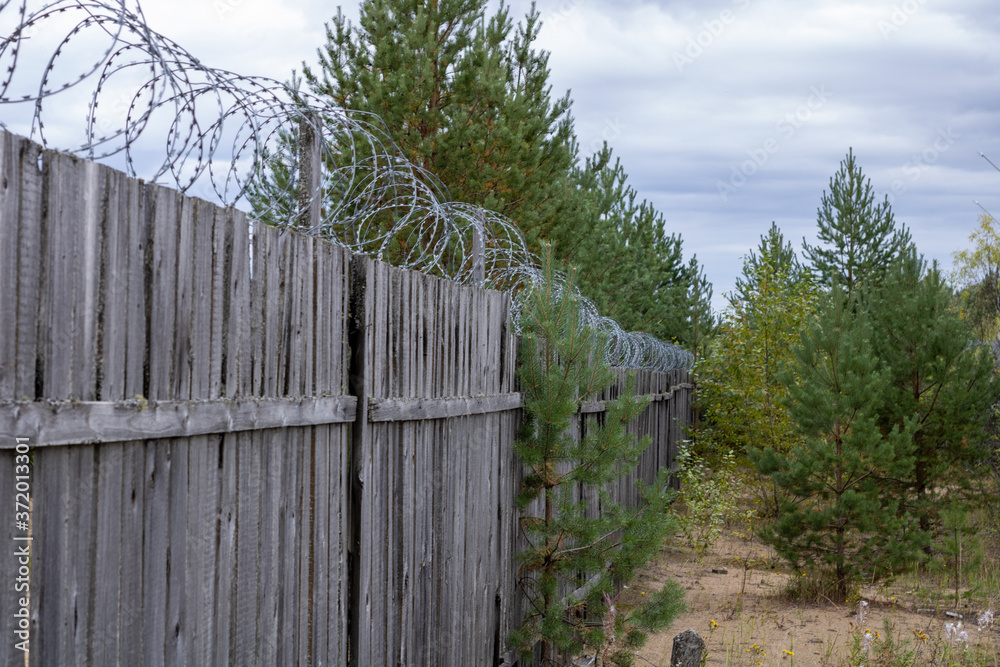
x=688 y=91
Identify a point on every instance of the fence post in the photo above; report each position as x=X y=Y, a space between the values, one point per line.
x=478 y=251
x=310 y=171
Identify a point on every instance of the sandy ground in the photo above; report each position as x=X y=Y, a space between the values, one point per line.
x=767 y=628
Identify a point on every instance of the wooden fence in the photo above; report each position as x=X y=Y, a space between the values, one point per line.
x=250 y=448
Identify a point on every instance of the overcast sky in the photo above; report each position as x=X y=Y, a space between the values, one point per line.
x=728 y=114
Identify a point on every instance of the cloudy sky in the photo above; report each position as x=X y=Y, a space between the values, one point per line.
x=727 y=114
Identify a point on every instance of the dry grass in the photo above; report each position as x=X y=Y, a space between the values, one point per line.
x=758 y=613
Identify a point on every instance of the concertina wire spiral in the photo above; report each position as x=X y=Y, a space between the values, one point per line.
x=232 y=135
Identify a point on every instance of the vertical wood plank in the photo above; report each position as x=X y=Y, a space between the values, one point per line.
x=113 y=308
x=362 y=342
x=304 y=487
x=248 y=551
x=133 y=639
x=217 y=252
x=10 y=225
x=323 y=586
x=276 y=445
x=79 y=552
x=163 y=293
x=178 y=621
x=63 y=242
x=30 y=267
x=107 y=611
x=199 y=556
x=156 y=546
x=49 y=510
x=139 y=202
x=184 y=354
x=224 y=612
x=240 y=327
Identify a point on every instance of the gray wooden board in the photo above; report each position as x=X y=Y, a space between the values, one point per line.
x=56 y=319
x=29 y=233
x=163 y=293
x=136 y=270
x=155 y=547
x=224 y=614
x=114 y=288
x=256 y=306
x=178 y=620
x=245 y=616
x=273 y=508
x=49 y=524
x=300 y=546
x=107 y=616
x=201 y=290
x=217 y=253
x=132 y=502
x=344 y=543
x=30 y=275
x=72 y=422
x=81 y=549
x=10 y=224
x=182 y=336
x=303 y=544
x=325 y=568
x=293 y=343
x=89 y=299
x=199 y=575
x=239 y=319
x=417 y=409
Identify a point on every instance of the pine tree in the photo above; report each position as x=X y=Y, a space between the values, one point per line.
x=569 y=550
x=464 y=96
x=773 y=257
x=838 y=515
x=742 y=381
x=625 y=261
x=936 y=376
x=701 y=321
x=861 y=236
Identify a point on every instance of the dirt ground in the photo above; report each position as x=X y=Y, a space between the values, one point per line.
x=764 y=626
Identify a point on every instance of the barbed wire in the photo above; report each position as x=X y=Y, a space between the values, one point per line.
x=239 y=136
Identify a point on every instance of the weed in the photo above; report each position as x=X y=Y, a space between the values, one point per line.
x=708 y=497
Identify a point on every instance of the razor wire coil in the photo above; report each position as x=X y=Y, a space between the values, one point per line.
x=240 y=136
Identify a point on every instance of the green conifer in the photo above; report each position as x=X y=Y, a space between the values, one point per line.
x=464 y=96
x=837 y=514
x=626 y=262
x=861 y=236
x=576 y=556
x=773 y=257
x=936 y=376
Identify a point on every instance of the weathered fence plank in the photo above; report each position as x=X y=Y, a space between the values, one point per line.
x=420 y=409
x=10 y=201
x=73 y=422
